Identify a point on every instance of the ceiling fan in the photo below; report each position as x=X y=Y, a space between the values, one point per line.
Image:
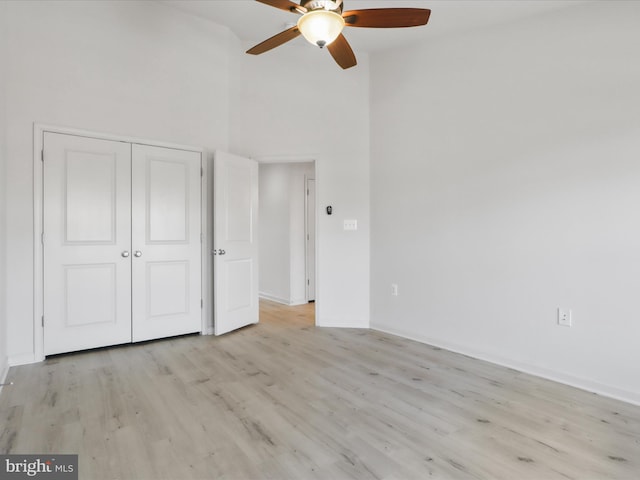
x=321 y=23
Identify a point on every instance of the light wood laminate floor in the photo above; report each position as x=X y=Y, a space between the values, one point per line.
x=286 y=400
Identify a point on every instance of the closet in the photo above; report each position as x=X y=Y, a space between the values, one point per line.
x=121 y=242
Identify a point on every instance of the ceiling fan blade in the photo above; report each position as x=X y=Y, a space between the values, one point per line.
x=341 y=52
x=283 y=5
x=387 y=17
x=275 y=41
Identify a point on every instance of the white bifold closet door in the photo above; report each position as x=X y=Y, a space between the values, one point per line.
x=166 y=243
x=121 y=242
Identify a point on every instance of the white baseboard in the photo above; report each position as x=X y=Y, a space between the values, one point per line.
x=4 y=371
x=298 y=301
x=581 y=383
x=330 y=322
x=273 y=298
x=22 y=359
x=283 y=301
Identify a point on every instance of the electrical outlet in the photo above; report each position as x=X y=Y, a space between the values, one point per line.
x=394 y=289
x=564 y=317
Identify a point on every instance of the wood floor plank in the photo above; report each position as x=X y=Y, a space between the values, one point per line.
x=286 y=400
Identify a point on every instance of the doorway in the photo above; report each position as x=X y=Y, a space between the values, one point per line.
x=287 y=202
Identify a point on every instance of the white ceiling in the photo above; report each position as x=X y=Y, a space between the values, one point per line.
x=253 y=22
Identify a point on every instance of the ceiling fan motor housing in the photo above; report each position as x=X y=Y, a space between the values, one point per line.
x=331 y=5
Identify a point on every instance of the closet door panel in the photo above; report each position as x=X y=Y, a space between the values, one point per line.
x=87 y=235
x=166 y=265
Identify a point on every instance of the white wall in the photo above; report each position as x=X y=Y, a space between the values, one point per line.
x=282 y=231
x=274 y=232
x=3 y=185
x=131 y=68
x=506 y=183
x=145 y=70
x=294 y=102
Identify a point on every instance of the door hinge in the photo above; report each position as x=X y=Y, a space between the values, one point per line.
x=42 y=155
x=42 y=238
x=201 y=303
x=201 y=237
x=42 y=318
x=307 y=192
x=308 y=282
x=201 y=172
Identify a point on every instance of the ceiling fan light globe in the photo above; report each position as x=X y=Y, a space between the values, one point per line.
x=321 y=27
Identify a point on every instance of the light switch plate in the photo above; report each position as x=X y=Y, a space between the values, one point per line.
x=350 y=225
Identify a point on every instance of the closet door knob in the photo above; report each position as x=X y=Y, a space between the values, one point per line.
x=137 y=253
x=125 y=254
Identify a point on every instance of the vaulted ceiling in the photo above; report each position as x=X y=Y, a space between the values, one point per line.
x=253 y=22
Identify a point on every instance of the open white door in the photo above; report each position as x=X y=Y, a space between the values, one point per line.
x=235 y=261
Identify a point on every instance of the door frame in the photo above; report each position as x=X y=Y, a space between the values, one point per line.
x=39 y=130
x=307 y=250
